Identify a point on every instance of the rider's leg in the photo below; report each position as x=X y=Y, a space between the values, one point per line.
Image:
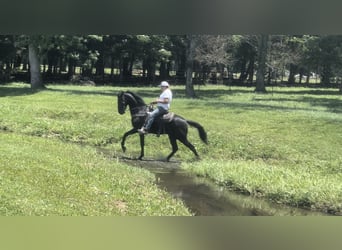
x=149 y=121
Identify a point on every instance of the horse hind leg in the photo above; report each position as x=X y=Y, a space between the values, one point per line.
x=142 y=144
x=189 y=145
x=174 y=145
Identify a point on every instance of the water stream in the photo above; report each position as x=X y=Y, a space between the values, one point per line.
x=205 y=198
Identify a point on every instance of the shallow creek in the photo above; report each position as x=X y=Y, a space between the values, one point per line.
x=205 y=198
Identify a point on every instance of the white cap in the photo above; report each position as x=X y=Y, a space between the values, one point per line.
x=164 y=84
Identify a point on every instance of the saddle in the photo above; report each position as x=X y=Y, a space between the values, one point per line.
x=168 y=117
x=162 y=120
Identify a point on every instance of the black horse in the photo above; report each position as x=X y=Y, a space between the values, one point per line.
x=177 y=128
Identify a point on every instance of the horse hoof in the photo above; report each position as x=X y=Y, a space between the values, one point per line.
x=124 y=149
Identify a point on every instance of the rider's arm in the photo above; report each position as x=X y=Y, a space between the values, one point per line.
x=164 y=100
x=158 y=100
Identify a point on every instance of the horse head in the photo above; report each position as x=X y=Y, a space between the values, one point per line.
x=130 y=99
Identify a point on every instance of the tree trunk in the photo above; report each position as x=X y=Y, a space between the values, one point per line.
x=250 y=71
x=220 y=69
x=243 y=73
x=262 y=54
x=125 y=67
x=71 y=67
x=189 y=88
x=99 y=65
x=326 y=74
x=230 y=74
x=151 y=70
x=181 y=65
x=168 y=69
x=162 y=70
x=131 y=64
x=112 y=67
x=293 y=70
x=36 y=79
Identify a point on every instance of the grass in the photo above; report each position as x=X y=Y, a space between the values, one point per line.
x=49 y=165
x=49 y=177
x=283 y=146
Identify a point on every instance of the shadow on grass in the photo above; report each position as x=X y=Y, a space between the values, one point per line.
x=147 y=95
x=300 y=95
x=307 y=92
x=153 y=93
x=84 y=92
x=307 y=96
x=13 y=91
x=332 y=105
x=213 y=93
x=286 y=91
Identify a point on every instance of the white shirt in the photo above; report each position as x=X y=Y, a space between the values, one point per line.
x=165 y=94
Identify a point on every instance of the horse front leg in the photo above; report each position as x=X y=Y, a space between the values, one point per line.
x=142 y=144
x=130 y=132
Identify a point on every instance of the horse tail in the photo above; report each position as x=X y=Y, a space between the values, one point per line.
x=201 y=131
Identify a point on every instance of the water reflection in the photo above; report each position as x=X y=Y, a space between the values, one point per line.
x=205 y=198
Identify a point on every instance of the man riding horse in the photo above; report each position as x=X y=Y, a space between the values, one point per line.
x=176 y=128
x=163 y=106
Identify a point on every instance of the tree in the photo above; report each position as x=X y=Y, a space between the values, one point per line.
x=262 y=55
x=330 y=56
x=245 y=54
x=178 y=50
x=7 y=52
x=34 y=61
x=189 y=88
x=278 y=56
x=212 y=51
x=156 y=50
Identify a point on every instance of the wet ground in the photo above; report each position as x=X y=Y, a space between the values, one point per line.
x=205 y=198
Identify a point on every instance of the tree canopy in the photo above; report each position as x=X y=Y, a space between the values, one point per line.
x=147 y=59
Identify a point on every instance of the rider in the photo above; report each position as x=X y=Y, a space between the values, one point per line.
x=163 y=106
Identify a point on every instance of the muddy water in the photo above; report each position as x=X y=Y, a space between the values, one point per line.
x=205 y=198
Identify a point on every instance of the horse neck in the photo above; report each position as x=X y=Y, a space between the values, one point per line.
x=134 y=105
x=134 y=109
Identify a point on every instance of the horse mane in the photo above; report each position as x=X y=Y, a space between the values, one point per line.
x=137 y=98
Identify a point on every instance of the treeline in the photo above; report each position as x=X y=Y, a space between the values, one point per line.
x=145 y=59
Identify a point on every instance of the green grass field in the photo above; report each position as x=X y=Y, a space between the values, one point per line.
x=284 y=146
x=49 y=165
